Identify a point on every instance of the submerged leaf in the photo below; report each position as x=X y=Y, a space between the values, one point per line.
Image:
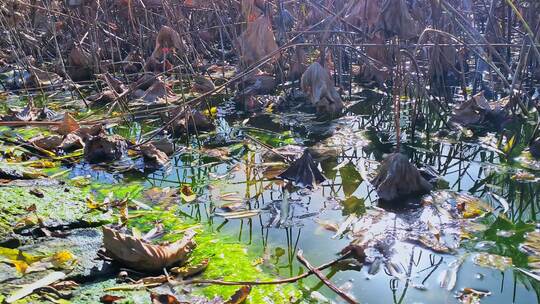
x=492 y=261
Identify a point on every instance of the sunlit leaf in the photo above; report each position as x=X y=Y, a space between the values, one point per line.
x=187 y=194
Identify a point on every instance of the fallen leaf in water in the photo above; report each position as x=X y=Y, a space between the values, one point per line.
x=164 y=299
x=109 y=299
x=187 y=194
x=471 y=296
x=448 y=278
x=139 y=255
x=68 y=125
x=304 y=172
x=327 y=225
x=239 y=296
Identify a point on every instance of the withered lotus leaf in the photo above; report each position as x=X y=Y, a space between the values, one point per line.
x=318 y=85
x=364 y=13
x=143 y=256
x=257 y=41
x=398 y=177
x=153 y=157
x=167 y=38
x=68 y=125
x=396 y=20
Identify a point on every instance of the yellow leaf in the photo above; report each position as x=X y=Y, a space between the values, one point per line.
x=21 y=266
x=42 y=164
x=187 y=194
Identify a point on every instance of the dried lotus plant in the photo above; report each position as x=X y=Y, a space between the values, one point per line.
x=364 y=14
x=257 y=42
x=167 y=40
x=398 y=178
x=396 y=20
x=252 y=9
x=318 y=85
x=80 y=65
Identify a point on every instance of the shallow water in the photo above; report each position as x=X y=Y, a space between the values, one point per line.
x=289 y=218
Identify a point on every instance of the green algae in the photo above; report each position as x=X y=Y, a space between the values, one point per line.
x=228 y=259
x=55 y=206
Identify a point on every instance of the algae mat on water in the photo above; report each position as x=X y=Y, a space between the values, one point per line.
x=54 y=206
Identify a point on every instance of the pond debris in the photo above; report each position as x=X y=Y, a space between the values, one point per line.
x=303 y=172
x=143 y=256
x=185 y=121
x=471 y=296
x=105 y=148
x=319 y=86
x=448 y=278
x=190 y=270
x=153 y=157
x=398 y=178
x=30 y=288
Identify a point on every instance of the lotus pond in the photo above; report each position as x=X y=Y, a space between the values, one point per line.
x=250 y=223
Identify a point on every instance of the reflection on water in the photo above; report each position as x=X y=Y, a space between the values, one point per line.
x=290 y=218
